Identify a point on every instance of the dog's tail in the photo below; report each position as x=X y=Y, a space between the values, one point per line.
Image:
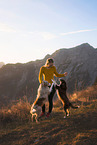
x=74 y=107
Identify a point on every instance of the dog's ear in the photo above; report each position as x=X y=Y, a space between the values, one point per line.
x=63 y=81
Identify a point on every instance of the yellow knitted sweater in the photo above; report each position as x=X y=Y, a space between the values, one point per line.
x=48 y=74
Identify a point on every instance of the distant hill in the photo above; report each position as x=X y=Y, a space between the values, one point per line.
x=1 y=64
x=80 y=62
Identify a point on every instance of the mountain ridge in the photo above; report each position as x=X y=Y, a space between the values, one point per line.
x=17 y=80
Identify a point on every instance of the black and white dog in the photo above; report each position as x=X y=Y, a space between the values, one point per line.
x=61 y=92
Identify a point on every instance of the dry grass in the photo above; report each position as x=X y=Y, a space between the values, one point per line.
x=17 y=112
x=78 y=129
x=86 y=95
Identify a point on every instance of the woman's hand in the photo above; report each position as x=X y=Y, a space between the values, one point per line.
x=65 y=74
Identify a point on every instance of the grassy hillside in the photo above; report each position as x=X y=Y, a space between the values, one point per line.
x=80 y=128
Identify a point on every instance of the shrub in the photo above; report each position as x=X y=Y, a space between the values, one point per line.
x=20 y=111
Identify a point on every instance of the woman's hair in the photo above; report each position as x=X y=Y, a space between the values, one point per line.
x=49 y=60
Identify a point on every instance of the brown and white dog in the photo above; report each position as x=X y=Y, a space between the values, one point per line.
x=42 y=97
x=61 y=92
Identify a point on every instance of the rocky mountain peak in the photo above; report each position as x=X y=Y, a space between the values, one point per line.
x=80 y=62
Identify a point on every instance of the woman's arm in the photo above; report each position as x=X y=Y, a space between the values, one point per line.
x=57 y=74
x=40 y=75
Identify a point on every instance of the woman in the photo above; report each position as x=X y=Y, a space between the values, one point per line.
x=47 y=72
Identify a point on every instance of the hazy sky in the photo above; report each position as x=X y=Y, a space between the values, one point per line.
x=30 y=29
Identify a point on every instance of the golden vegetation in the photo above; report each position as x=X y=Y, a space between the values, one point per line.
x=86 y=95
x=17 y=112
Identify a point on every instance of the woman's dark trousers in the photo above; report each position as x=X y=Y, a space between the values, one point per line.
x=50 y=99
